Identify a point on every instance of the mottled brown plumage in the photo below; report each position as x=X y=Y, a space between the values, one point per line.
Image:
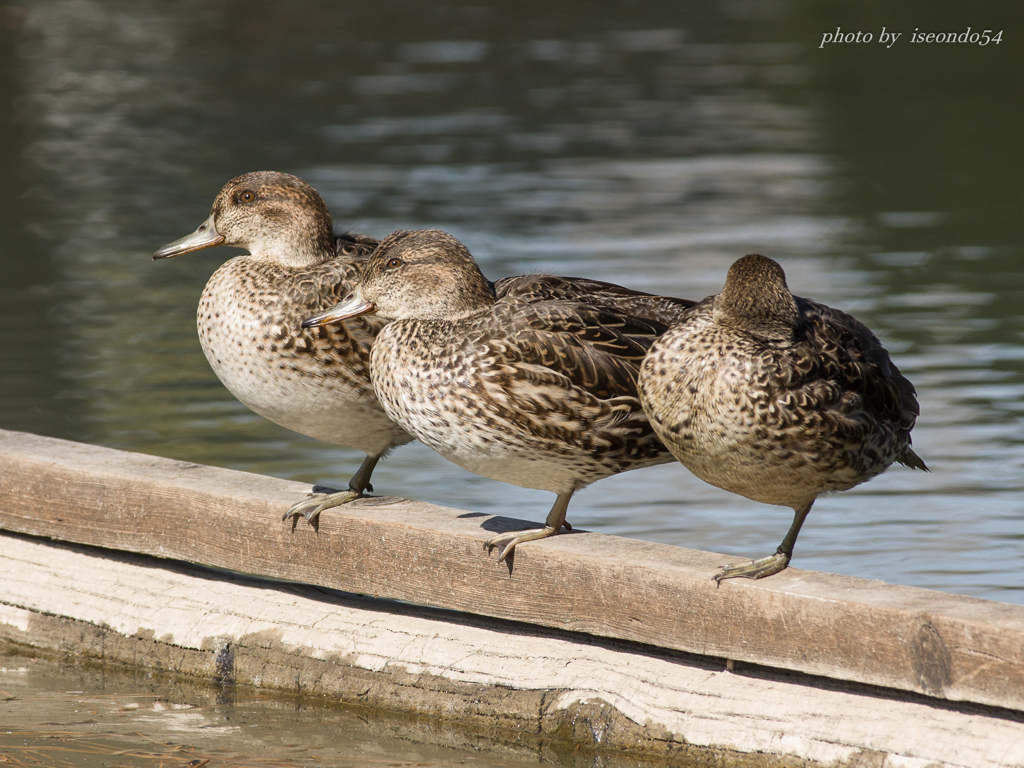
x=777 y=398
x=315 y=381
x=531 y=381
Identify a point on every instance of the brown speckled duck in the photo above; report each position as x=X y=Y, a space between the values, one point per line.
x=533 y=384
x=776 y=398
x=315 y=381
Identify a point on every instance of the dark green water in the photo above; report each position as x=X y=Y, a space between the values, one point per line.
x=649 y=144
x=55 y=715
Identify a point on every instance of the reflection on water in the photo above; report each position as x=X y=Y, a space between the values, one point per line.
x=59 y=715
x=644 y=146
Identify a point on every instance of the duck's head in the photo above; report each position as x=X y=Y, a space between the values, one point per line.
x=273 y=215
x=423 y=275
x=757 y=300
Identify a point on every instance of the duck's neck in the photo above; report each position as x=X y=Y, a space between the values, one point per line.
x=442 y=306
x=297 y=249
x=757 y=300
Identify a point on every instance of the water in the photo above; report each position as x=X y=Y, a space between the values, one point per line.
x=644 y=145
x=59 y=715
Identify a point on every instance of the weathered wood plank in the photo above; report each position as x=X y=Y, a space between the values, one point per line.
x=846 y=628
x=480 y=672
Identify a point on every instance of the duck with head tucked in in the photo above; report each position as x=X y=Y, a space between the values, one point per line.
x=315 y=381
x=777 y=398
x=533 y=385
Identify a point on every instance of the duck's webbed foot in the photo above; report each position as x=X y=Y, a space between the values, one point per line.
x=508 y=541
x=755 y=569
x=768 y=566
x=553 y=525
x=311 y=507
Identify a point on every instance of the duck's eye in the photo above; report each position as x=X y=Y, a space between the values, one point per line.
x=247 y=196
x=394 y=263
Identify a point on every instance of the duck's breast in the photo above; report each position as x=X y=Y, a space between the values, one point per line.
x=313 y=381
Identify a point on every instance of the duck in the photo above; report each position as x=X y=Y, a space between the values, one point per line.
x=776 y=398
x=531 y=382
x=314 y=381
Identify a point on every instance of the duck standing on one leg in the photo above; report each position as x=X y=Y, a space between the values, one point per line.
x=531 y=381
x=777 y=398
x=313 y=381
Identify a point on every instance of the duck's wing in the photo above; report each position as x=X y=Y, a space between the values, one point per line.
x=597 y=349
x=352 y=245
x=845 y=351
x=666 y=310
x=567 y=372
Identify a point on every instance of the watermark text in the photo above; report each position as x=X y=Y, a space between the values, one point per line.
x=888 y=39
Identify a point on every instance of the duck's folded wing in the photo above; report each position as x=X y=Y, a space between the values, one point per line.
x=533 y=289
x=847 y=352
x=596 y=349
x=352 y=245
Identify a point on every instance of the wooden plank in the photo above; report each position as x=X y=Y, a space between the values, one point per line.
x=948 y=646
x=484 y=673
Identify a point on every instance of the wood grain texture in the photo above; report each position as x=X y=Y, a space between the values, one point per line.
x=947 y=646
x=479 y=672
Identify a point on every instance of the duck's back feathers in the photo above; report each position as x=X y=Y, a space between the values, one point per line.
x=666 y=310
x=592 y=332
x=596 y=349
x=843 y=350
x=352 y=245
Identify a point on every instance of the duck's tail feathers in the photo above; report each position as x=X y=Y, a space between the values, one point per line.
x=910 y=459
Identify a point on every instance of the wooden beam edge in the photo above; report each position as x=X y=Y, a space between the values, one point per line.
x=487 y=674
x=942 y=645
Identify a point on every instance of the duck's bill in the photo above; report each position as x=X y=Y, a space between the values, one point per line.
x=204 y=237
x=353 y=306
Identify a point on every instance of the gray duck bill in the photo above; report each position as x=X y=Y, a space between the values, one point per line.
x=204 y=237
x=353 y=306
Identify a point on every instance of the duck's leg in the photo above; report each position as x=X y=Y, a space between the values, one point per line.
x=311 y=507
x=767 y=566
x=554 y=523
